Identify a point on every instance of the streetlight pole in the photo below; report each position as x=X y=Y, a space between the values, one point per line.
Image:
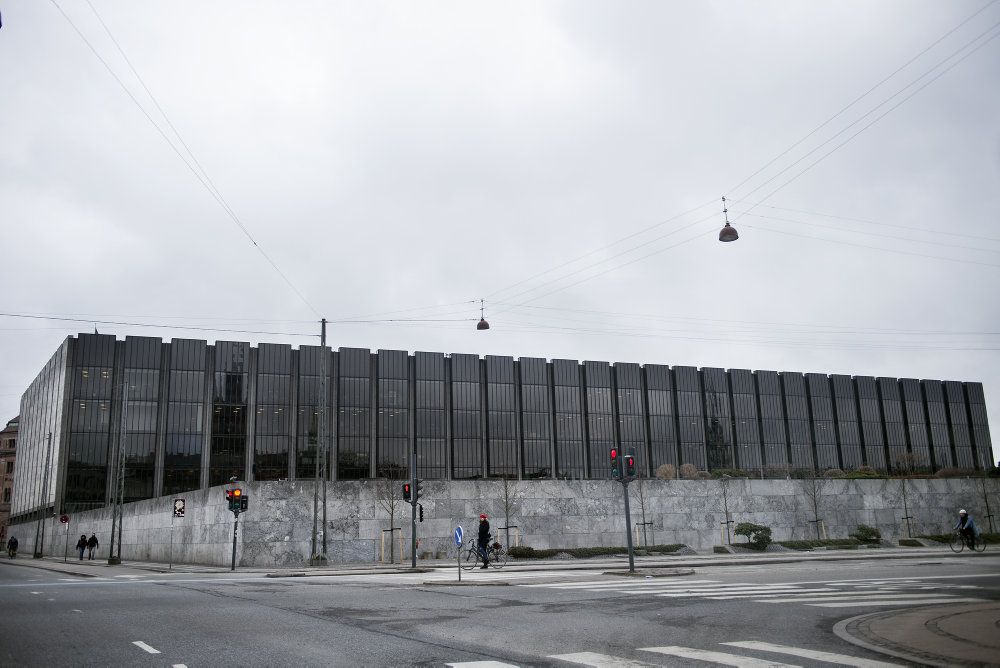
x=40 y=527
x=117 y=511
x=318 y=557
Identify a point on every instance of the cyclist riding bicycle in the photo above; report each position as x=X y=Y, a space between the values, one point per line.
x=967 y=528
x=12 y=547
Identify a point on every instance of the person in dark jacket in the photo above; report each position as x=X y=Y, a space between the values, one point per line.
x=92 y=544
x=81 y=545
x=12 y=547
x=967 y=528
x=484 y=540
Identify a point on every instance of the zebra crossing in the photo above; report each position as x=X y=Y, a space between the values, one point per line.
x=822 y=594
x=727 y=654
x=478 y=576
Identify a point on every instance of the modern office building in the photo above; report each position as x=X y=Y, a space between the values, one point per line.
x=8 y=455
x=193 y=415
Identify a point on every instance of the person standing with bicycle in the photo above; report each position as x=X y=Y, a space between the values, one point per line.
x=484 y=540
x=967 y=528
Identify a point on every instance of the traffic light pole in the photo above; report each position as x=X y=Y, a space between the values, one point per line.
x=413 y=510
x=236 y=524
x=628 y=528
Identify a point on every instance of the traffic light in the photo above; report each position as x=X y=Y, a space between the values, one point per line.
x=417 y=490
x=629 y=467
x=406 y=492
x=616 y=465
x=421 y=513
x=235 y=499
x=244 y=503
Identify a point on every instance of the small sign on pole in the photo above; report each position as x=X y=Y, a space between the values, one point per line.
x=178 y=507
x=64 y=519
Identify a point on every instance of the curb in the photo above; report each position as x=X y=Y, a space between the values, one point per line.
x=842 y=631
x=26 y=564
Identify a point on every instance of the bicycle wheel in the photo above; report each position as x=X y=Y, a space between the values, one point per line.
x=957 y=543
x=471 y=559
x=498 y=558
x=980 y=544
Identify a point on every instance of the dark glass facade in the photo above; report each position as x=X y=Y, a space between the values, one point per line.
x=199 y=414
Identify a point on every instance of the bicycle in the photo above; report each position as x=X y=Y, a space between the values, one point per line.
x=496 y=553
x=959 y=542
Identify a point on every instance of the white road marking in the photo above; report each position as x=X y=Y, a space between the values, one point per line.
x=481 y=664
x=598 y=660
x=889 y=581
x=848 y=596
x=143 y=646
x=50 y=599
x=753 y=590
x=933 y=601
x=723 y=658
x=75 y=610
x=830 y=657
x=178 y=665
x=36 y=593
x=604 y=584
x=818 y=592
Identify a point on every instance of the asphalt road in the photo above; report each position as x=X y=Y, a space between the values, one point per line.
x=511 y=617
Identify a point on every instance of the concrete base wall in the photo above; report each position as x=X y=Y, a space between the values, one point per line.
x=277 y=529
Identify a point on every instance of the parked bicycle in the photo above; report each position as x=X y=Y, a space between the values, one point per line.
x=959 y=542
x=471 y=558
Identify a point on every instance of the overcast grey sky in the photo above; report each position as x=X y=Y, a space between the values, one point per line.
x=413 y=157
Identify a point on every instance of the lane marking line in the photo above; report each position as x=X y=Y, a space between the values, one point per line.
x=178 y=665
x=830 y=657
x=924 y=602
x=143 y=646
x=481 y=664
x=598 y=660
x=723 y=658
x=856 y=597
x=75 y=610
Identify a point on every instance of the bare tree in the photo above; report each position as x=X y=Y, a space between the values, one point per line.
x=724 y=483
x=389 y=495
x=986 y=502
x=813 y=489
x=511 y=493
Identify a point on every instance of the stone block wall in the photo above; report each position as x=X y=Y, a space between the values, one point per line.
x=277 y=529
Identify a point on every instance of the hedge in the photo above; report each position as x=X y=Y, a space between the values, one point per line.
x=526 y=552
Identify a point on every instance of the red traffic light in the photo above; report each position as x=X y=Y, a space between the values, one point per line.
x=629 y=461
x=614 y=454
x=406 y=489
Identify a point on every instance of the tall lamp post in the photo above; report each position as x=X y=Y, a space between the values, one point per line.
x=117 y=510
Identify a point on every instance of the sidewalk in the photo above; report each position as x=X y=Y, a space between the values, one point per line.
x=956 y=634
x=100 y=567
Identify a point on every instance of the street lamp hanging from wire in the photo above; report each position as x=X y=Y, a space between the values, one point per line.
x=728 y=232
x=482 y=324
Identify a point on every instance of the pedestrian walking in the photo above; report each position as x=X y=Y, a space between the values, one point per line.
x=92 y=544
x=81 y=545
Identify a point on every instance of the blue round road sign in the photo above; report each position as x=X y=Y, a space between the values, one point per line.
x=458 y=536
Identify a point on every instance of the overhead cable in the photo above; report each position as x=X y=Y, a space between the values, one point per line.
x=216 y=195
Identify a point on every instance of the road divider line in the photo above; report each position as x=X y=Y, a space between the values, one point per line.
x=933 y=601
x=854 y=597
x=481 y=664
x=723 y=658
x=598 y=660
x=144 y=647
x=830 y=657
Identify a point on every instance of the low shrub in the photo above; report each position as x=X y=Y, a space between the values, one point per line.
x=834 y=473
x=730 y=473
x=666 y=472
x=953 y=472
x=990 y=538
x=689 y=471
x=826 y=542
x=867 y=534
x=758 y=536
x=909 y=542
x=525 y=552
x=864 y=472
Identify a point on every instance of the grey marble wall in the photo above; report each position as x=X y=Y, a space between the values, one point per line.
x=277 y=529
